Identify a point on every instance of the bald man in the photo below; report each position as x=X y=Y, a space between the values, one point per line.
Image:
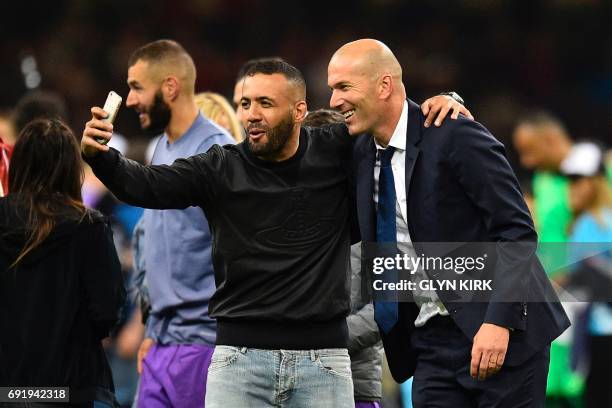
x=419 y=184
x=176 y=247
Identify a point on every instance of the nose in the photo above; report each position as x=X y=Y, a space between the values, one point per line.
x=335 y=101
x=253 y=114
x=131 y=100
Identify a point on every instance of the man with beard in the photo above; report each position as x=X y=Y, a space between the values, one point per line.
x=179 y=331
x=278 y=210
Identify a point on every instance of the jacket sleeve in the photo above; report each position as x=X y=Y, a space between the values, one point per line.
x=187 y=182
x=363 y=331
x=102 y=280
x=480 y=164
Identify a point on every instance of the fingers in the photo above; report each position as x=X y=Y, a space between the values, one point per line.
x=145 y=346
x=484 y=365
x=431 y=116
x=98 y=113
x=460 y=109
x=456 y=112
x=96 y=134
x=425 y=108
x=142 y=352
x=466 y=112
x=475 y=363
x=444 y=112
x=492 y=365
x=501 y=357
x=139 y=366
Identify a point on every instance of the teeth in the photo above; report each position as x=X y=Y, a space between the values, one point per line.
x=348 y=114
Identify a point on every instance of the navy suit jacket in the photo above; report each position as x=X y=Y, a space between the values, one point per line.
x=461 y=188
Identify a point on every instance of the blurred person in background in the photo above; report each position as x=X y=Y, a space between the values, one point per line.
x=364 y=344
x=542 y=143
x=39 y=104
x=591 y=202
x=60 y=279
x=7 y=127
x=176 y=243
x=216 y=108
x=33 y=105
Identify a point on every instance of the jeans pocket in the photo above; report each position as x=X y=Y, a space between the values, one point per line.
x=335 y=363
x=223 y=356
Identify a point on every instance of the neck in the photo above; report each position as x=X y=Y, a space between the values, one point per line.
x=183 y=115
x=388 y=122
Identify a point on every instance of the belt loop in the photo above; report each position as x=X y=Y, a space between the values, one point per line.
x=312 y=355
x=243 y=350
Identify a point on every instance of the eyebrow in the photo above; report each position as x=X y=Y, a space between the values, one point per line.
x=259 y=99
x=133 y=82
x=338 y=84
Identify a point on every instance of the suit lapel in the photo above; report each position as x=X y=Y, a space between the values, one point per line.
x=413 y=137
x=365 y=191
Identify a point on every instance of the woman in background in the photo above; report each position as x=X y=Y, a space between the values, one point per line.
x=216 y=108
x=60 y=278
x=591 y=236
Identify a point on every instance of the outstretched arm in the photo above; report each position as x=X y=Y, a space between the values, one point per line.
x=187 y=182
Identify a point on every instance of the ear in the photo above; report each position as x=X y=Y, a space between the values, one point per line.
x=171 y=88
x=385 y=86
x=300 y=111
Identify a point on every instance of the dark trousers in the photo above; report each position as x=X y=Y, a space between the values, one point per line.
x=598 y=391
x=442 y=377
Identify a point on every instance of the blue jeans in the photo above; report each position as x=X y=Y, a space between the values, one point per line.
x=245 y=378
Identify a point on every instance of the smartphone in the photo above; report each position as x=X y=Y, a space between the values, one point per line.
x=111 y=106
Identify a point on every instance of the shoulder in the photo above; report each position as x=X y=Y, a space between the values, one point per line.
x=450 y=129
x=214 y=158
x=336 y=133
x=91 y=219
x=210 y=133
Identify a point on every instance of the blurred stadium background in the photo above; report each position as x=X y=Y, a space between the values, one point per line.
x=503 y=57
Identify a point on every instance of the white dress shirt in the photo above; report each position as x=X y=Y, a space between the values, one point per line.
x=427 y=301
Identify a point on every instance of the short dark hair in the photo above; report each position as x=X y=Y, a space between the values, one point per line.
x=540 y=117
x=322 y=117
x=249 y=64
x=156 y=51
x=37 y=105
x=169 y=54
x=270 y=67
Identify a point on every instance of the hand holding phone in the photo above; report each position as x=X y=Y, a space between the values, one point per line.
x=111 y=106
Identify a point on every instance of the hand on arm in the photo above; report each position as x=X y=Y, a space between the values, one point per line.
x=96 y=128
x=437 y=108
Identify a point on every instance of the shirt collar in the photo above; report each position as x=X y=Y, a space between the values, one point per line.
x=398 y=138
